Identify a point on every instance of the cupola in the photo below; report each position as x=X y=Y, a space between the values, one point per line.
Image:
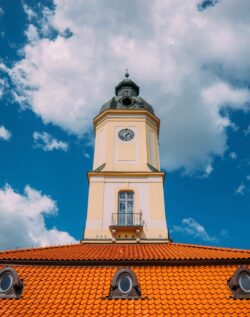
x=127 y=97
x=127 y=87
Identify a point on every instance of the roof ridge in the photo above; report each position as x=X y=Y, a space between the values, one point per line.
x=210 y=247
x=185 y=245
x=39 y=248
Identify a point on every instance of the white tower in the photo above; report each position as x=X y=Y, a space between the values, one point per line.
x=126 y=198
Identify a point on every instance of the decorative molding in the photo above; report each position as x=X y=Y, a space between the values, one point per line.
x=152 y=168
x=126 y=174
x=98 y=169
x=128 y=113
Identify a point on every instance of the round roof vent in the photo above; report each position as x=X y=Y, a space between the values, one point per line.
x=127 y=102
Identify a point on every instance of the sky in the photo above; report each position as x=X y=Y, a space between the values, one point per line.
x=60 y=61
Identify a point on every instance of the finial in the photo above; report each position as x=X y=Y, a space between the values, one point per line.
x=127 y=74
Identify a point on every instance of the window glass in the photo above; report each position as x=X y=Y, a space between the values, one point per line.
x=244 y=281
x=130 y=206
x=122 y=195
x=130 y=195
x=5 y=283
x=125 y=284
x=126 y=208
x=122 y=206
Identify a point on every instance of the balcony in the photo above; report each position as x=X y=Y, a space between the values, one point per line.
x=129 y=219
x=128 y=225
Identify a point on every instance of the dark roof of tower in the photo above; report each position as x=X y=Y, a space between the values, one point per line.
x=127 y=97
x=126 y=82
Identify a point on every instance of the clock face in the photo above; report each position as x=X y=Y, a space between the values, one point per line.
x=126 y=134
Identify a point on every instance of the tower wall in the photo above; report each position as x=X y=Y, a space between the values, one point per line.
x=133 y=155
x=148 y=200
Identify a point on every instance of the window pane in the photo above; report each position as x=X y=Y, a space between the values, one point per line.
x=122 y=206
x=130 y=195
x=125 y=284
x=130 y=206
x=244 y=281
x=122 y=195
x=5 y=283
x=126 y=205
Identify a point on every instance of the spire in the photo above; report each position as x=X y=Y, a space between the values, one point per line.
x=127 y=74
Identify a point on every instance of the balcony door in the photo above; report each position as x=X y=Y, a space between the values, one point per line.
x=125 y=208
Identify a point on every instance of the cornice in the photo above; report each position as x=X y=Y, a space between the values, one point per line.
x=129 y=263
x=126 y=174
x=129 y=113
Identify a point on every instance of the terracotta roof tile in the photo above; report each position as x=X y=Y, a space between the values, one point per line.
x=78 y=291
x=193 y=290
x=87 y=251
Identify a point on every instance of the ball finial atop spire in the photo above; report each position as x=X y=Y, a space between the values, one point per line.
x=127 y=74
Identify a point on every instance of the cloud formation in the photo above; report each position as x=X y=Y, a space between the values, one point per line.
x=240 y=190
x=233 y=155
x=22 y=219
x=46 y=142
x=191 y=227
x=4 y=133
x=247 y=131
x=191 y=60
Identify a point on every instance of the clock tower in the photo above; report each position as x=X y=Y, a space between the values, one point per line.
x=126 y=198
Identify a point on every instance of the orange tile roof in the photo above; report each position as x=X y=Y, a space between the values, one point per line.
x=169 y=291
x=130 y=252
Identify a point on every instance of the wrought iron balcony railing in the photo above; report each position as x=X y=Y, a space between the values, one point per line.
x=127 y=219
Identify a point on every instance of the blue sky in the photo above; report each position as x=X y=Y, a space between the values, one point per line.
x=60 y=61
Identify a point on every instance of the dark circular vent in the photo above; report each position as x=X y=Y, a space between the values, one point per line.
x=127 y=102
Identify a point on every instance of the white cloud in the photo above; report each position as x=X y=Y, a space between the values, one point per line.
x=223 y=94
x=46 y=142
x=86 y=155
x=32 y=34
x=1 y=11
x=240 y=190
x=22 y=219
x=191 y=227
x=224 y=234
x=29 y=12
x=4 y=133
x=233 y=155
x=185 y=60
x=208 y=170
x=2 y=87
x=247 y=131
x=248 y=177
